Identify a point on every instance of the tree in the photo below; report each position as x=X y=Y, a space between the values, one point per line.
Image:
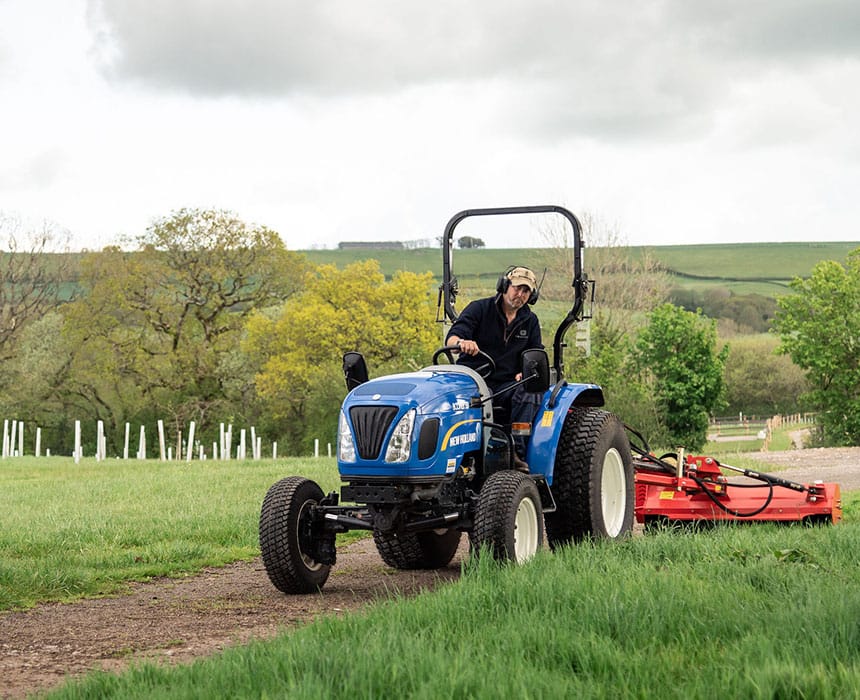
x=627 y=285
x=819 y=328
x=470 y=242
x=679 y=350
x=298 y=351
x=759 y=381
x=153 y=334
x=32 y=272
x=34 y=380
x=612 y=366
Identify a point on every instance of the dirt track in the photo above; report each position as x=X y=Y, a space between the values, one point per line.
x=180 y=619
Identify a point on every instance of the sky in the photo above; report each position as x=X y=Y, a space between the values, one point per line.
x=672 y=121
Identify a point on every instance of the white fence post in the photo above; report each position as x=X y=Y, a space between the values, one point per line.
x=161 y=447
x=275 y=450
x=240 y=453
x=100 y=427
x=5 y=437
x=189 y=448
x=316 y=447
x=21 y=439
x=38 y=449
x=125 y=445
x=141 y=449
x=12 y=438
x=77 y=441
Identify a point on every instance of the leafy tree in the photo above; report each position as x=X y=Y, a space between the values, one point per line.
x=819 y=327
x=298 y=351
x=470 y=242
x=749 y=313
x=611 y=365
x=34 y=380
x=759 y=381
x=679 y=350
x=154 y=333
x=32 y=273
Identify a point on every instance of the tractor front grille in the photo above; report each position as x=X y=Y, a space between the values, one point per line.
x=370 y=424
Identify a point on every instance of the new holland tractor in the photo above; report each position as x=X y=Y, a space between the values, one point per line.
x=424 y=457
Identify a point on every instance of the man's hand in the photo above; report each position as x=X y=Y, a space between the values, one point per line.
x=469 y=347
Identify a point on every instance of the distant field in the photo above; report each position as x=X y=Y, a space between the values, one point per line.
x=764 y=268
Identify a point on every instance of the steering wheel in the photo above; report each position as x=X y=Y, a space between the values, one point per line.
x=485 y=370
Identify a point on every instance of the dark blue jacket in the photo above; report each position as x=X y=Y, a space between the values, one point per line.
x=484 y=322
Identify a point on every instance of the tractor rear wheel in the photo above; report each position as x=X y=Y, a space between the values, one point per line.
x=285 y=536
x=509 y=518
x=593 y=479
x=417 y=550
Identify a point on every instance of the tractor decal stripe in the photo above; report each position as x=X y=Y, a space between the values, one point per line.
x=454 y=427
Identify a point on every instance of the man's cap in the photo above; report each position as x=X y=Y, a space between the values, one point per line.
x=522 y=275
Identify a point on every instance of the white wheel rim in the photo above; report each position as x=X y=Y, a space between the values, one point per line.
x=613 y=492
x=526 y=531
x=310 y=564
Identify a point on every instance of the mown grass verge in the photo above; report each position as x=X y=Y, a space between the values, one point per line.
x=740 y=612
x=72 y=530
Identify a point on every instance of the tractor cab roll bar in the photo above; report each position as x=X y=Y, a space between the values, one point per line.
x=449 y=288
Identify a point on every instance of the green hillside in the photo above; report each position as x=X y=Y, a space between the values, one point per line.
x=745 y=268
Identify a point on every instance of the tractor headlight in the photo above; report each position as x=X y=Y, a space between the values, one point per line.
x=345 y=443
x=400 y=443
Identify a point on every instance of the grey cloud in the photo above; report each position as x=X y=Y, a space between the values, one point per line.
x=604 y=66
x=786 y=30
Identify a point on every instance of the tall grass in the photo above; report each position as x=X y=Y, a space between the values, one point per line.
x=753 y=611
x=69 y=530
x=737 y=612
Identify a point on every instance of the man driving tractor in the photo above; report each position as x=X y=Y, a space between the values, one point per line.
x=502 y=326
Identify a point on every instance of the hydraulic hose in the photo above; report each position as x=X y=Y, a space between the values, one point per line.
x=736 y=513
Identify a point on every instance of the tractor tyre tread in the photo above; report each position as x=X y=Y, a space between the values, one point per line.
x=289 y=568
x=417 y=550
x=495 y=517
x=575 y=481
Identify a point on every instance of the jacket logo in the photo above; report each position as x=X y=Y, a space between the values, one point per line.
x=523 y=333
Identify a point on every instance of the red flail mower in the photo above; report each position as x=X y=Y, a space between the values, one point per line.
x=677 y=489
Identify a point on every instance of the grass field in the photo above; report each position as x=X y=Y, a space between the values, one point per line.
x=734 y=612
x=69 y=530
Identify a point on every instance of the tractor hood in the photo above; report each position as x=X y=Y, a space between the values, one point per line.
x=412 y=426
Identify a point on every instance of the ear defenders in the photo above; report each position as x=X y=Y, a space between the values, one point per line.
x=504 y=282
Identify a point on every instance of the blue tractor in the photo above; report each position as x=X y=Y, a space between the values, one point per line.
x=423 y=459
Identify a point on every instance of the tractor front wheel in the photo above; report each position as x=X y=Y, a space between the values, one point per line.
x=509 y=518
x=285 y=536
x=593 y=479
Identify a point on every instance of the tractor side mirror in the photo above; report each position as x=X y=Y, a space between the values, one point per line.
x=535 y=369
x=354 y=370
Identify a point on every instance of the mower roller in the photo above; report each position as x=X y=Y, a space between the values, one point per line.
x=693 y=489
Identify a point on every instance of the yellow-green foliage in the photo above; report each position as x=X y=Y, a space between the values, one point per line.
x=338 y=311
